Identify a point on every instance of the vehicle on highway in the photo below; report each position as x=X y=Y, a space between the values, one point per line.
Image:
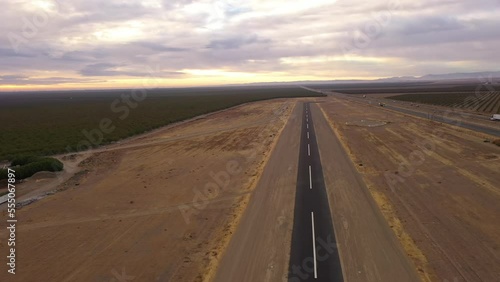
x=495 y=117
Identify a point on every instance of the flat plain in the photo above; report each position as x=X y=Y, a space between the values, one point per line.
x=63 y=122
x=435 y=184
x=212 y=198
x=160 y=209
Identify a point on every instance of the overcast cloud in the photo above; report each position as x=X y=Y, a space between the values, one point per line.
x=94 y=43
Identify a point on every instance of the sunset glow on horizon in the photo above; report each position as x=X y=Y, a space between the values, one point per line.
x=80 y=44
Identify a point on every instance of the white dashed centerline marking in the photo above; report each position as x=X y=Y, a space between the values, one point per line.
x=310 y=179
x=308 y=150
x=308 y=135
x=314 y=246
x=307 y=126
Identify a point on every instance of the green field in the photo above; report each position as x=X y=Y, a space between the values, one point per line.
x=440 y=99
x=484 y=102
x=479 y=97
x=49 y=123
x=406 y=87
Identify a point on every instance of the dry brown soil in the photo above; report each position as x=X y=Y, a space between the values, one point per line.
x=160 y=207
x=438 y=187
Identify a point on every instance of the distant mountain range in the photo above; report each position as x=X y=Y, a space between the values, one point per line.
x=486 y=76
x=449 y=76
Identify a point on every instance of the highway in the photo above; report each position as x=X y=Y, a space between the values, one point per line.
x=448 y=120
x=452 y=116
x=314 y=255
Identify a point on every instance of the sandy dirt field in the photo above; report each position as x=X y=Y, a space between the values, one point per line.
x=436 y=185
x=155 y=208
x=369 y=250
x=259 y=250
x=164 y=206
x=463 y=115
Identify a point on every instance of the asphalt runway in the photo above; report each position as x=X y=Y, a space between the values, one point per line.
x=314 y=253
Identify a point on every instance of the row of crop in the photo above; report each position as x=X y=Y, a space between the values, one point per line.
x=440 y=99
x=50 y=127
x=404 y=88
x=487 y=102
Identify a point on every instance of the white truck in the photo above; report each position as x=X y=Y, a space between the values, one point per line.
x=495 y=117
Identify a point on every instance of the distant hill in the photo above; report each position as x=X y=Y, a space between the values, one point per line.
x=481 y=76
x=448 y=76
x=474 y=75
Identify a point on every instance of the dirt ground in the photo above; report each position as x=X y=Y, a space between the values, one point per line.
x=259 y=249
x=436 y=185
x=160 y=207
x=464 y=115
x=163 y=206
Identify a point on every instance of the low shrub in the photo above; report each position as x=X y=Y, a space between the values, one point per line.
x=37 y=164
x=23 y=160
x=3 y=173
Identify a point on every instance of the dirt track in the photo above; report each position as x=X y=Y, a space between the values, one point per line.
x=260 y=247
x=368 y=249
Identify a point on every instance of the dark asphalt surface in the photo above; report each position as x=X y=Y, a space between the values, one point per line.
x=313 y=257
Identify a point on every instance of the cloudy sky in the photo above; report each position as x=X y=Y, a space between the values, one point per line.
x=48 y=44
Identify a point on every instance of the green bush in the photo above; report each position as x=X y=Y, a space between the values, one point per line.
x=37 y=164
x=3 y=173
x=22 y=160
